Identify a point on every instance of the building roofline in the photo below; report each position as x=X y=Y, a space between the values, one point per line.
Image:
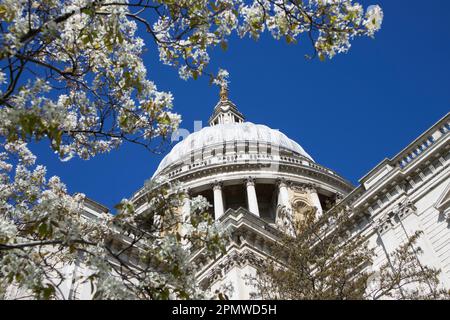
x=400 y=155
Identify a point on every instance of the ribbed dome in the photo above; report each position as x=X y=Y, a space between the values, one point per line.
x=228 y=133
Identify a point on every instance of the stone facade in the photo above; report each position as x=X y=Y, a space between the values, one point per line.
x=249 y=173
x=250 y=181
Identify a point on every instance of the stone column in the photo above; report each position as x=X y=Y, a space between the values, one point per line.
x=283 y=194
x=314 y=197
x=284 y=208
x=218 y=200
x=186 y=210
x=185 y=213
x=251 y=196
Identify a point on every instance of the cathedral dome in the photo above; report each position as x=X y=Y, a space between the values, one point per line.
x=235 y=164
x=228 y=134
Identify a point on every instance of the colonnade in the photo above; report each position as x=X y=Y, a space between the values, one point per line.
x=252 y=197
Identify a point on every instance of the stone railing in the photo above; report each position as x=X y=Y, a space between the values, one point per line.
x=241 y=156
x=423 y=143
x=245 y=158
x=208 y=160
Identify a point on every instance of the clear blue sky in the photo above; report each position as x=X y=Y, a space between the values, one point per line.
x=349 y=113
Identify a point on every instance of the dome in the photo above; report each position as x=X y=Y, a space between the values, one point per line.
x=229 y=133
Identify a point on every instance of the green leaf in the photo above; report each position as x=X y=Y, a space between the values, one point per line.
x=165 y=294
x=118 y=206
x=42 y=230
x=183 y=295
x=289 y=39
x=88 y=11
x=119 y=37
x=85 y=40
x=213 y=6
x=224 y=45
x=5 y=15
x=48 y=292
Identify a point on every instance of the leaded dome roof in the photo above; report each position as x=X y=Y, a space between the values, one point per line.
x=228 y=128
x=229 y=133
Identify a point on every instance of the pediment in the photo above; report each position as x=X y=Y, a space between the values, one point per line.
x=443 y=202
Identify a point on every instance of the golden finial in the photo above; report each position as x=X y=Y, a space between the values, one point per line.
x=224 y=92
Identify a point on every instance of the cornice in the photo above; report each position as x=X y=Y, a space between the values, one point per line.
x=314 y=172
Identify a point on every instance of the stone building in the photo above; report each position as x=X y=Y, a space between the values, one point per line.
x=249 y=172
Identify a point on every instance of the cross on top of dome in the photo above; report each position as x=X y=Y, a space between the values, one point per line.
x=225 y=111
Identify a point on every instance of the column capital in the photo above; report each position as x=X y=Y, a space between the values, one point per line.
x=404 y=208
x=217 y=185
x=249 y=181
x=282 y=183
x=187 y=192
x=339 y=197
x=381 y=225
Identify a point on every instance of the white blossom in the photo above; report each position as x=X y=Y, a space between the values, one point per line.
x=89 y=91
x=373 y=19
x=222 y=78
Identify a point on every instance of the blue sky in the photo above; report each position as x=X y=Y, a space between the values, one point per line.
x=348 y=113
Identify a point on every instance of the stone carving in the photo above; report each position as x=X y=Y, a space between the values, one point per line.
x=304 y=187
x=390 y=220
x=217 y=185
x=339 y=197
x=404 y=209
x=300 y=208
x=235 y=259
x=382 y=225
x=249 y=181
x=282 y=182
